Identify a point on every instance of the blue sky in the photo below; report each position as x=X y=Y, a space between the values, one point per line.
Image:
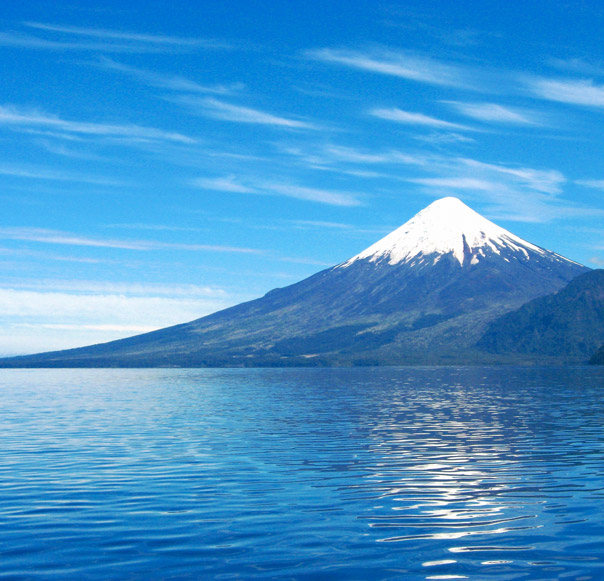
x=161 y=161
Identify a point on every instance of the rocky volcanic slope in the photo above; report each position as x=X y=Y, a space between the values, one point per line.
x=422 y=294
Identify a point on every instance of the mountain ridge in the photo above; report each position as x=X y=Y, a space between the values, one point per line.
x=570 y=321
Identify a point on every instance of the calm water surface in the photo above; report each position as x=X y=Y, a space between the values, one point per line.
x=405 y=473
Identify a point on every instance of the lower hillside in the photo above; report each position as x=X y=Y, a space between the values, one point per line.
x=567 y=325
x=598 y=357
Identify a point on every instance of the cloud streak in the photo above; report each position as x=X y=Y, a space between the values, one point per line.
x=572 y=91
x=544 y=181
x=596 y=184
x=123 y=288
x=169 y=82
x=396 y=63
x=46 y=236
x=13 y=116
x=322 y=196
x=313 y=194
x=345 y=159
x=224 y=184
x=74 y=38
x=107 y=34
x=492 y=112
x=38 y=173
x=224 y=111
x=518 y=194
x=409 y=118
x=30 y=319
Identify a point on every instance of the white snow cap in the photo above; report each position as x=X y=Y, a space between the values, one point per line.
x=444 y=227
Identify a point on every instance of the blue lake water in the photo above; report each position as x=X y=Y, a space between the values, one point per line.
x=403 y=473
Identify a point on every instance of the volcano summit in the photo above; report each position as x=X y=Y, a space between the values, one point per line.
x=423 y=294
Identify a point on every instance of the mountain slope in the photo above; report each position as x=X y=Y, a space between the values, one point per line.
x=422 y=294
x=568 y=324
x=598 y=357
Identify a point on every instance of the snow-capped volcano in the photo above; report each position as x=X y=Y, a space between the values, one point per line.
x=422 y=294
x=447 y=226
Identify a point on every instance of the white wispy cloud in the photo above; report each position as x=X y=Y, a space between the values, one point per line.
x=20 y=40
x=571 y=91
x=152 y=227
x=495 y=112
x=74 y=38
x=14 y=116
x=28 y=41
x=456 y=183
x=507 y=192
x=409 y=118
x=440 y=138
x=259 y=187
x=332 y=154
x=322 y=196
x=169 y=82
x=217 y=109
x=76 y=286
x=46 y=256
x=578 y=66
x=68 y=152
x=547 y=181
x=470 y=174
x=398 y=64
x=41 y=173
x=223 y=184
x=320 y=224
x=352 y=155
x=124 y=35
x=29 y=319
x=596 y=184
x=46 y=236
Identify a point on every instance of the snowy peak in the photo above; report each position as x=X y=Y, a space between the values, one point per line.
x=448 y=226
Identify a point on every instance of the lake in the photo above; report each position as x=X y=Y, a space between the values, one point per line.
x=368 y=473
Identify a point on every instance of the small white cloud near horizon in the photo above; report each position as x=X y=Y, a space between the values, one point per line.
x=30 y=319
x=597 y=261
